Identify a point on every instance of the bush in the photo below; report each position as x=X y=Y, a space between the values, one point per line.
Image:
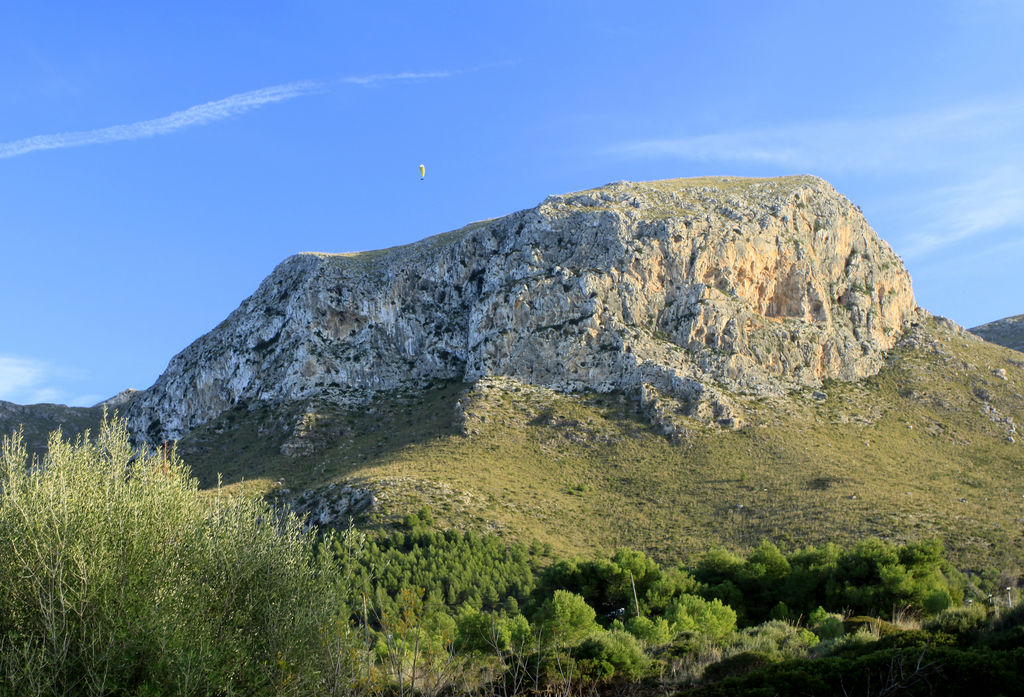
x=777 y=638
x=693 y=615
x=619 y=650
x=568 y=619
x=489 y=632
x=964 y=621
x=652 y=633
x=118 y=576
x=739 y=664
x=854 y=641
x=827 y=625
x=936 y=601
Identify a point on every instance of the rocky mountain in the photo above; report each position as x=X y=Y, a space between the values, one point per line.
x=663 y=366
x=1008 y=332
x=681 y=293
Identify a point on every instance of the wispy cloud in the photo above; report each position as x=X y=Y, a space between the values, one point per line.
x=18 y=373
x=974 y=149
x=193 y=116
x=32 y=381
x=902 y=142
x=23 y=380
x=378 y=78
x=392 y=77
x=202 y=113
x=958 y=213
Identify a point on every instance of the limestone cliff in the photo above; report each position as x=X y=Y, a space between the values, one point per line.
x=684 y=290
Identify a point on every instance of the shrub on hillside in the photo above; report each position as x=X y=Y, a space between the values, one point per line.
x=962 y=621
x=691 y=614
x=567 y=619
x=776 y=638
x=491 y=632
x=826 y=625
x=612 y=653
x=652 y=632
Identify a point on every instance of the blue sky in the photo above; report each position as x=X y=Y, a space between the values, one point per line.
x=158 y=160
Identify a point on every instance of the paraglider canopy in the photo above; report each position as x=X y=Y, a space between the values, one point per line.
x=423 y=171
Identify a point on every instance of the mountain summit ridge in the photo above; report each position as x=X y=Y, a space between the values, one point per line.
x=688 y=289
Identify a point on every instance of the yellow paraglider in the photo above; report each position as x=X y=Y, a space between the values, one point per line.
x=423 y=171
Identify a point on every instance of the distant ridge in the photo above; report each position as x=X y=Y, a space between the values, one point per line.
x=1008 y=332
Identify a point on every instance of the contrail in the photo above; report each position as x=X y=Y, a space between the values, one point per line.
x=193 y=116
x=385 y=77
x=201 y=114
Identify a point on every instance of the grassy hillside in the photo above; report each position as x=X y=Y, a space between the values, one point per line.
x=928 y=447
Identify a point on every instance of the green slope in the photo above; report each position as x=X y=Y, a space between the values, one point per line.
x=925 y=448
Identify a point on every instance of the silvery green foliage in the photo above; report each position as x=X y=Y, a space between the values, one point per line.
x=118 y=576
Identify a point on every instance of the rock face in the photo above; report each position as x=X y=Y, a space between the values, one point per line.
x=686 y=289
x=1007 y=332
